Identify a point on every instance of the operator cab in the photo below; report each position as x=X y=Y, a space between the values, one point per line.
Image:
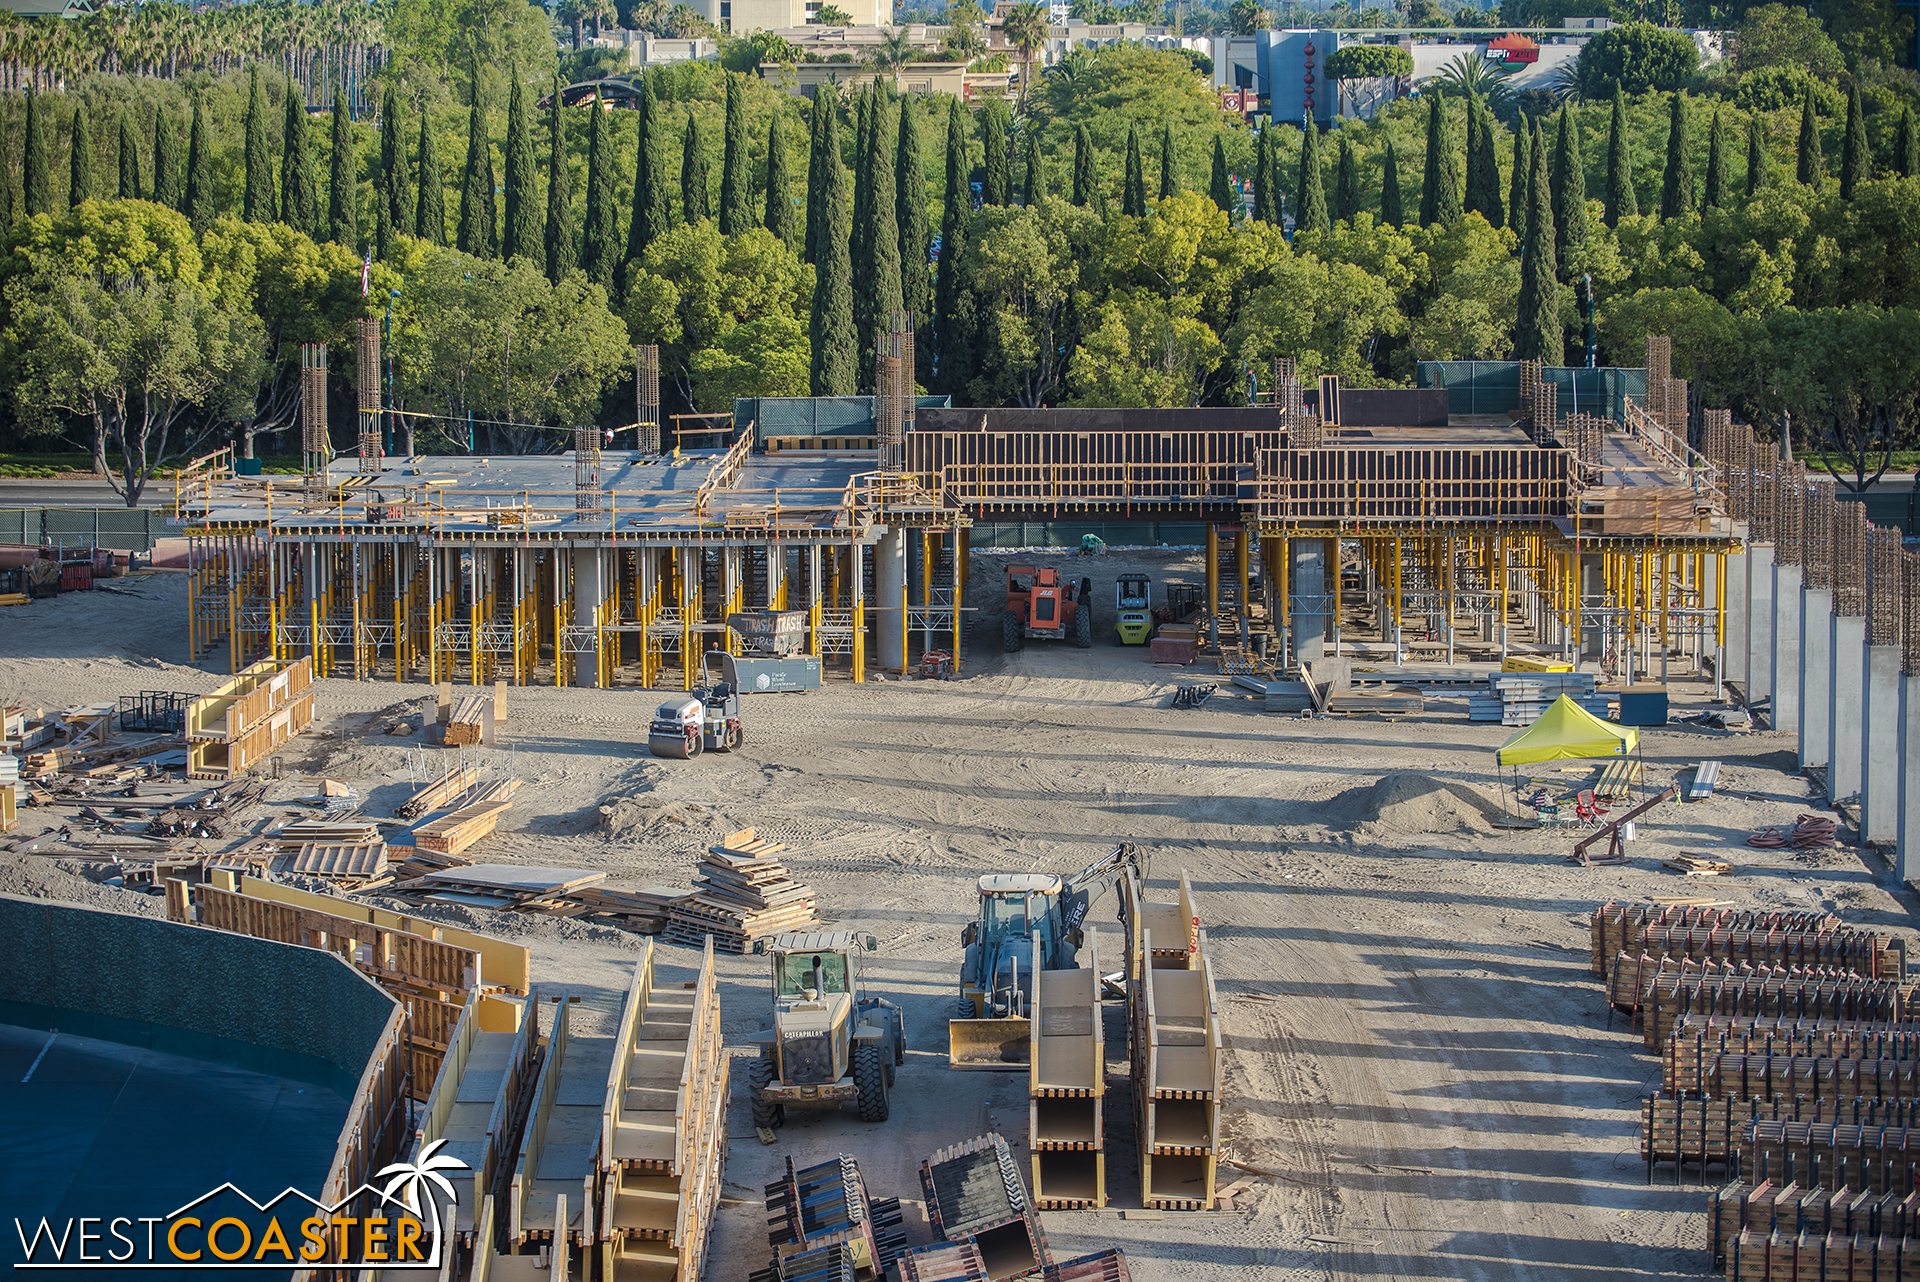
x=1007 y=907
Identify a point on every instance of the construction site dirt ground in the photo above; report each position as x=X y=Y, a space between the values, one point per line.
x=1416 y=1048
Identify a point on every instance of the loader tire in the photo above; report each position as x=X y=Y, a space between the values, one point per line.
x=870 y=1075
x=1010 y=632
x=1083 y=625
x=766 y=1112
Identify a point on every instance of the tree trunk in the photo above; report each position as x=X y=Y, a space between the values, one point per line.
x=579 y=29
x=99 y=445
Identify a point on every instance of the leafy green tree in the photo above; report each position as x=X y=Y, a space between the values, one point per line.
x=342 y=188
x=1717 y=191
x=1537 y=333
x=835 y=356
x=562 y=255
x=652 y=212
x=1133 y=190
x=910 y=214
x=1244 y=17
x=600 y=245
x=80 y=158
x=780 y=220
x=951 y=323
x=1676 y=180
x=1036 y=188
x=1346 y=187
x=1517 y=189
x=873 y=310
x=1311 y=212
x=696 y=187
x=1084 y=184
x=523 y=233
x=36 y=168
x=1325 y=313
x=996 y=187
x=1143 y=350
x=1440 y=186
x=1263 y=206
x=1392 y=211
x=1758 y=162
x=478 y=232
x=1636 y=58
x=736 y=194
x=1856 y=157
x=1473 y=192
x=197 y=199
x=1483 y=167
x=1169 y=168
x=299 y=184
x=1220 y=187
x=1379 y=64
x=1906 y=146
x=130 y=185
x=1778 y=35
x=1808 y=169
x=430 y=215
x=1621 y=201
x=257 y=203
x=1569 y=190
x=1025 y=272
x=396 y=181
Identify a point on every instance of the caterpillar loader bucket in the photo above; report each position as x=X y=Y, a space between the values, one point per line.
x=1002 y=1044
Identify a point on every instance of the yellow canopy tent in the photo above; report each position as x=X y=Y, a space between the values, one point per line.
x=1567 y=730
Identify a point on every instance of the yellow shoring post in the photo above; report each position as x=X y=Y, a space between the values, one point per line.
x=1286 y=559
x=859 y=613
x=1397 y=603
x=814 y=598
x=959 y=584
x=691 y=591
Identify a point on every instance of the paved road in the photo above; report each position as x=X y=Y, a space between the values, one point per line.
x=36 y=493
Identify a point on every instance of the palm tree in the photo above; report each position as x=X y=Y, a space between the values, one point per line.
x=893 y=53
x=1025 y=27
x=412 y=1179
x=1471 y=74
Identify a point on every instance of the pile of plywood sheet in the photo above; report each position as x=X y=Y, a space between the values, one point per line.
x=1177 y=1067
x=501 y=886
x=237 y=726
x=1067 y=1087
x=748 y=894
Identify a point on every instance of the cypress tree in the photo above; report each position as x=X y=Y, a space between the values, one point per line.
x=816 y=174
x=169 y=176
x=1808 y=169
x=299 y=194
x=997 y=189
x=652 y=210
x=198 y=196
x=736 y=195
x=1263 y=210
x=1717 y=193
x=780 y=216
x=1036 y=172
x=562 y=254
x=396 y=185
x=1392 y=210
x=1473 y=194
x=1621 y=200
x=1569 y=195
x=1906 y=146
x=257 y=204
x=343 y=212
x=836 y=347
x=910 y=214
x=1758 y=164
x=1346 y=187
x=882 y=241
x=36 y=170
x=478 y=232
x=80 y=159
x=948 y=323
x=1311 y=212
x=430 y=213
x=9 y=207
x=599 y=247
x=523 y=238
x=1083 y=179
x=1537 y=333
x=861 y=260
x=130 y=185
x=1517 y=183
x=1676 y=182
x=696 y=200
x=1495 y=213
x=1169 y=170
x=1133 y=192
x=1440 y=185
x=1221 y=188
x=1856 y=157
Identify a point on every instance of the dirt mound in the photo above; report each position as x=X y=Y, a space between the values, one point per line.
x=1409 y=804
x=643 y=815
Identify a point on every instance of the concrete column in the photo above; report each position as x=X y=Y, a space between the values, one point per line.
x=1846 y=693
x=1756 y=663
x=1907 y=839
x=1593 y=584
x=589 y=590
x=1732 y=658
x=1307 y=585
x=890 y=592
x=1880 y=745
x=1784 y=683
x=1816 y=674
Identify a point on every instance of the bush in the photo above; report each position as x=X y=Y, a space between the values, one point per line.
x=1638 y=57
x=1778 y=88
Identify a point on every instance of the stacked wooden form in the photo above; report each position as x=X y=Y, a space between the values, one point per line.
x=1067 y=1086
x=663 y=1134
x=748 y=895
x=1789 y=1055
x=975 y=1199
x=1177 y=1066
x=823 y=1224
x=1518 y=698
x=235 y=728
x=491 y=1062
x=350 y=854
x=551 y=1195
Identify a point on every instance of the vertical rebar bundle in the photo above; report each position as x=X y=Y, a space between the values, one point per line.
x=1816 y=534
x=1910 y=612
x=588 y=498
x=1886 y=588
x=368 y=377
x=1659 y=370
x=316 y=450
x=1849 y=557
x=646 y=398
x=1675 y=419
x=1790 y=507
x=893 y=390
x=1302 y=427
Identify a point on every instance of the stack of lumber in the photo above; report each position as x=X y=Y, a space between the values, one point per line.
x=1618 y=779
x=453 y=832
x=1518 y=698
x=503 y=886
x=353 y=854
x=748 y=894
x=466 y=724
x=1178 y=1068
x=645 y=911
x=1396 y=701
x=237 y=726
x=441 y=792
x=416 y=863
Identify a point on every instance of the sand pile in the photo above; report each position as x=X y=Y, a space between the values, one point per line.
x=645 y=814
x=1409 y=804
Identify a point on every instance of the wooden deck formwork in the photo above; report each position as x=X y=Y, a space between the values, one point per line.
x=1066 y=1088
x=1354 y=486
x=489 y=1064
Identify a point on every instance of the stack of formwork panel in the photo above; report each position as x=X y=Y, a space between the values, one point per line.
x=1620 y=928
x=237 y=726
x=551 y=1194
x=821 y=1218
x=663 y=1136
x=1066 y=1088
x=974 y=1196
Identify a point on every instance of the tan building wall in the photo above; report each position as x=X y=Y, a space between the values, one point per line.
x=742 y=17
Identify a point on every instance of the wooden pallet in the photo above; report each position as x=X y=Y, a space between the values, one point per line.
x=337 y=859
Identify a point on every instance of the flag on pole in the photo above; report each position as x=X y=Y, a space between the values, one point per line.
x=366 y=274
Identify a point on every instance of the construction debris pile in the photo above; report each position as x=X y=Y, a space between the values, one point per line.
x=748 y=894
x=1790 y=1057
